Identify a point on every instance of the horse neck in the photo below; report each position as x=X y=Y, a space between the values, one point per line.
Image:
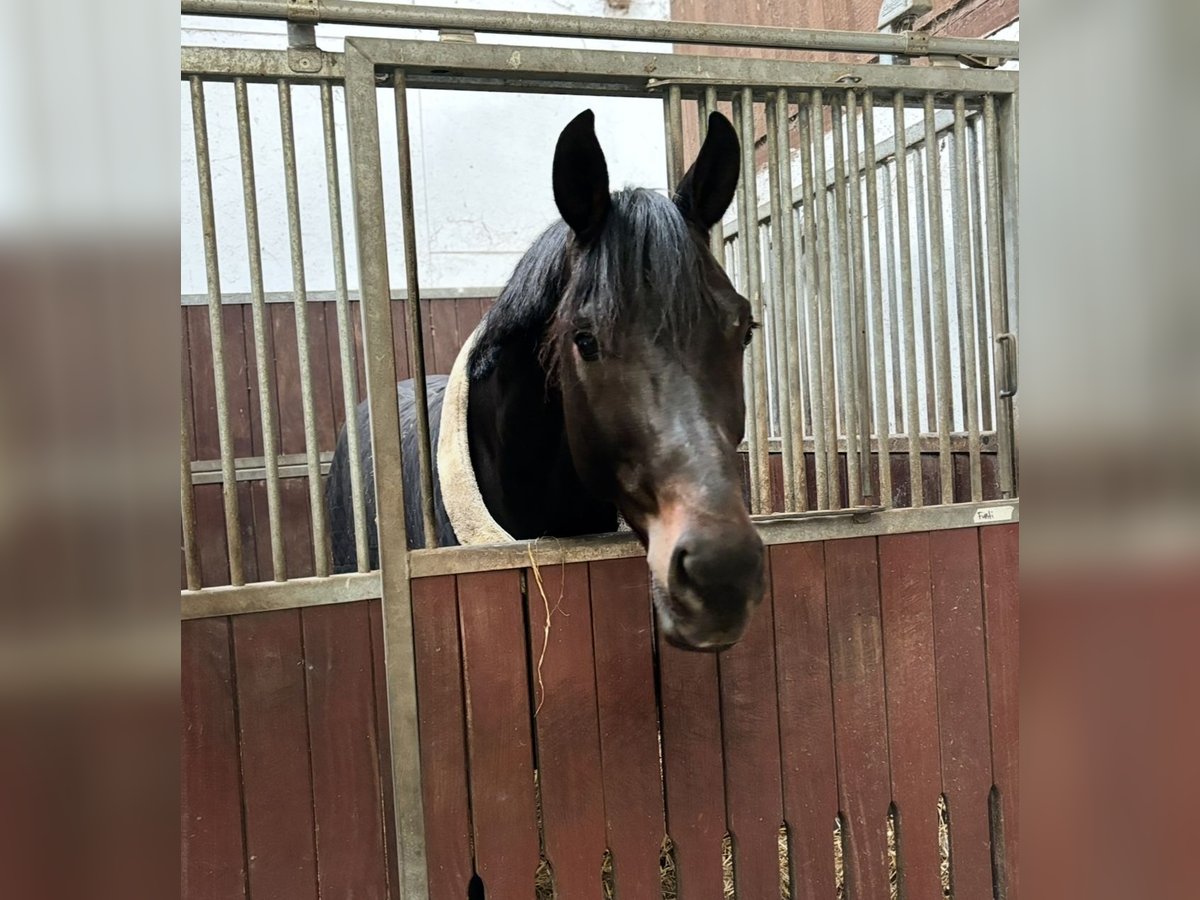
x=520 y=452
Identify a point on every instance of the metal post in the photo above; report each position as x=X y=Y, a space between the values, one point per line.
x=875 y=298
x=416 y=339
x=966 y=300
x=264 y=361
x=986 y=417
x=362 y=550
x=300 y=306
x=673 y=113
x=924 y=302
x=941 y=318
x=999 y=301
x=821 y=230
x=893 y=292
x=912 y=406
x=233 y=531
x=370 y=225
x=859 y=295
x=847 y=375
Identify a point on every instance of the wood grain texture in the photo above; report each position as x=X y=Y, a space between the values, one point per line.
x=963 y=705
x=859 y=712
x=442 y=713
x=810 y=798
x=278 y=790
x=498 y=733
x=911 y=677
x=623 y=634
x=212 y=843
x=568 y=731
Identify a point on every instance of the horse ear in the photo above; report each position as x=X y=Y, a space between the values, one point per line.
x=581 y=178
x=709 y=185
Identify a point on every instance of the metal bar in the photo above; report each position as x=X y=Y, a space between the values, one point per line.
x=416 y=339
x=345 y=331
x=825 y=371
x=265 y=596
x=999 y=301
x=859 y=307
x=847 y=374
x=717 y=233
x=187 y=503
x=966 y=298
x=234 y=298
x=923 y=280
x=793 y=432
x=673 y=110
x=255 y=65
x=1008 y=147
x=395 y=588
x=941 y=317
x=783 y=386
x=986 y=418
x=912 y=406
x=233 y=531
x=355 y=12
x=875 y=301
x=308 y=406
x=760 y=468
x=263 y=359
x=893 y=293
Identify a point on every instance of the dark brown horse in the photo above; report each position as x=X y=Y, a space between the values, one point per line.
x=606 y=380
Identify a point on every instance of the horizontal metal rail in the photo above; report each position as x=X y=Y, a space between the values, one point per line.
x=781 y=529
x=232 y=298
x=356 y=12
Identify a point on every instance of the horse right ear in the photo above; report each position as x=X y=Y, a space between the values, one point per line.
x=707 y=189
x=581 y=178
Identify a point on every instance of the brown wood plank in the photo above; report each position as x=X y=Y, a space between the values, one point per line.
x=498 y=733
x=322 y=382
x=384 y=748
x=623 y=633
x=254 y=404
x=204 y=392
x=347 y=793
x=859 y=712
x=1001 y=603
x=210 y=534
x=359 y=359
x=912 y=709
x=400 y=339
x=778 y=501
x=443 y=747
x=273 y=721
x=249 y=536
x=810 y=800
x=427 y=333
x=212 y=850
x=287 y=378
x=333 y=347
x=963 y=706
x=470 y=313
x=443 y=322
x=693 y=769
x=753 y=780
x=256 y=513
x=237 y=380
x=568 y=731
x=185 y=358
x=296 y=526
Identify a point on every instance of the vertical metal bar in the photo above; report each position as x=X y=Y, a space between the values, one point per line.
x=674 y=114
x=233 y=531
x=786 y=240
x=717 y=235
x=941 y=318
x=258 y=313
x=779 y=289
x=800 y=334
x=966 y=299
x=986 y=418
x=859 y=307
x=912 y=406
x=187 y=503
x=875 y=300
x=362 y=548
x=893 y=293
x=923 y=280
x=1008 y=147
x=760 y=487
x=847 y=374
x=416 y=339
x=998 y=298
x=370 y=226
x=821 y=228
x=300 y=306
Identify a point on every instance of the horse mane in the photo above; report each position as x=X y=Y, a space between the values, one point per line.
x=643 y=265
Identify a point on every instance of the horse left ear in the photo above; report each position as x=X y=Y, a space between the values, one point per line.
x=581 y=178
x=709 y=185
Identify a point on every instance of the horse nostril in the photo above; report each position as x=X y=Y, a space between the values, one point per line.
x=706 y=563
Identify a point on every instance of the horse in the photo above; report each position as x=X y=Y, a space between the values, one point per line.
x=606 y=383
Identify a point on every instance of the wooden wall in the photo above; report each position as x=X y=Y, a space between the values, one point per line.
x=879 y=675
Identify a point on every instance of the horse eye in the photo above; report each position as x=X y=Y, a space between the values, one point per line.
x=588 y=346
x=749 y=334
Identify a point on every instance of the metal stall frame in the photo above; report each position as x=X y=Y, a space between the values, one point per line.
x=365 y=66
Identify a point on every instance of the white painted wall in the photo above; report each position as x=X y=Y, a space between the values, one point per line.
x=481 y=163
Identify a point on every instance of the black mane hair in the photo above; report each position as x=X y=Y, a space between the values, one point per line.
x=642 y=265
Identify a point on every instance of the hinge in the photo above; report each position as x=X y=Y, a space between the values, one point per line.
x=303 y=53
x=304 y=11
